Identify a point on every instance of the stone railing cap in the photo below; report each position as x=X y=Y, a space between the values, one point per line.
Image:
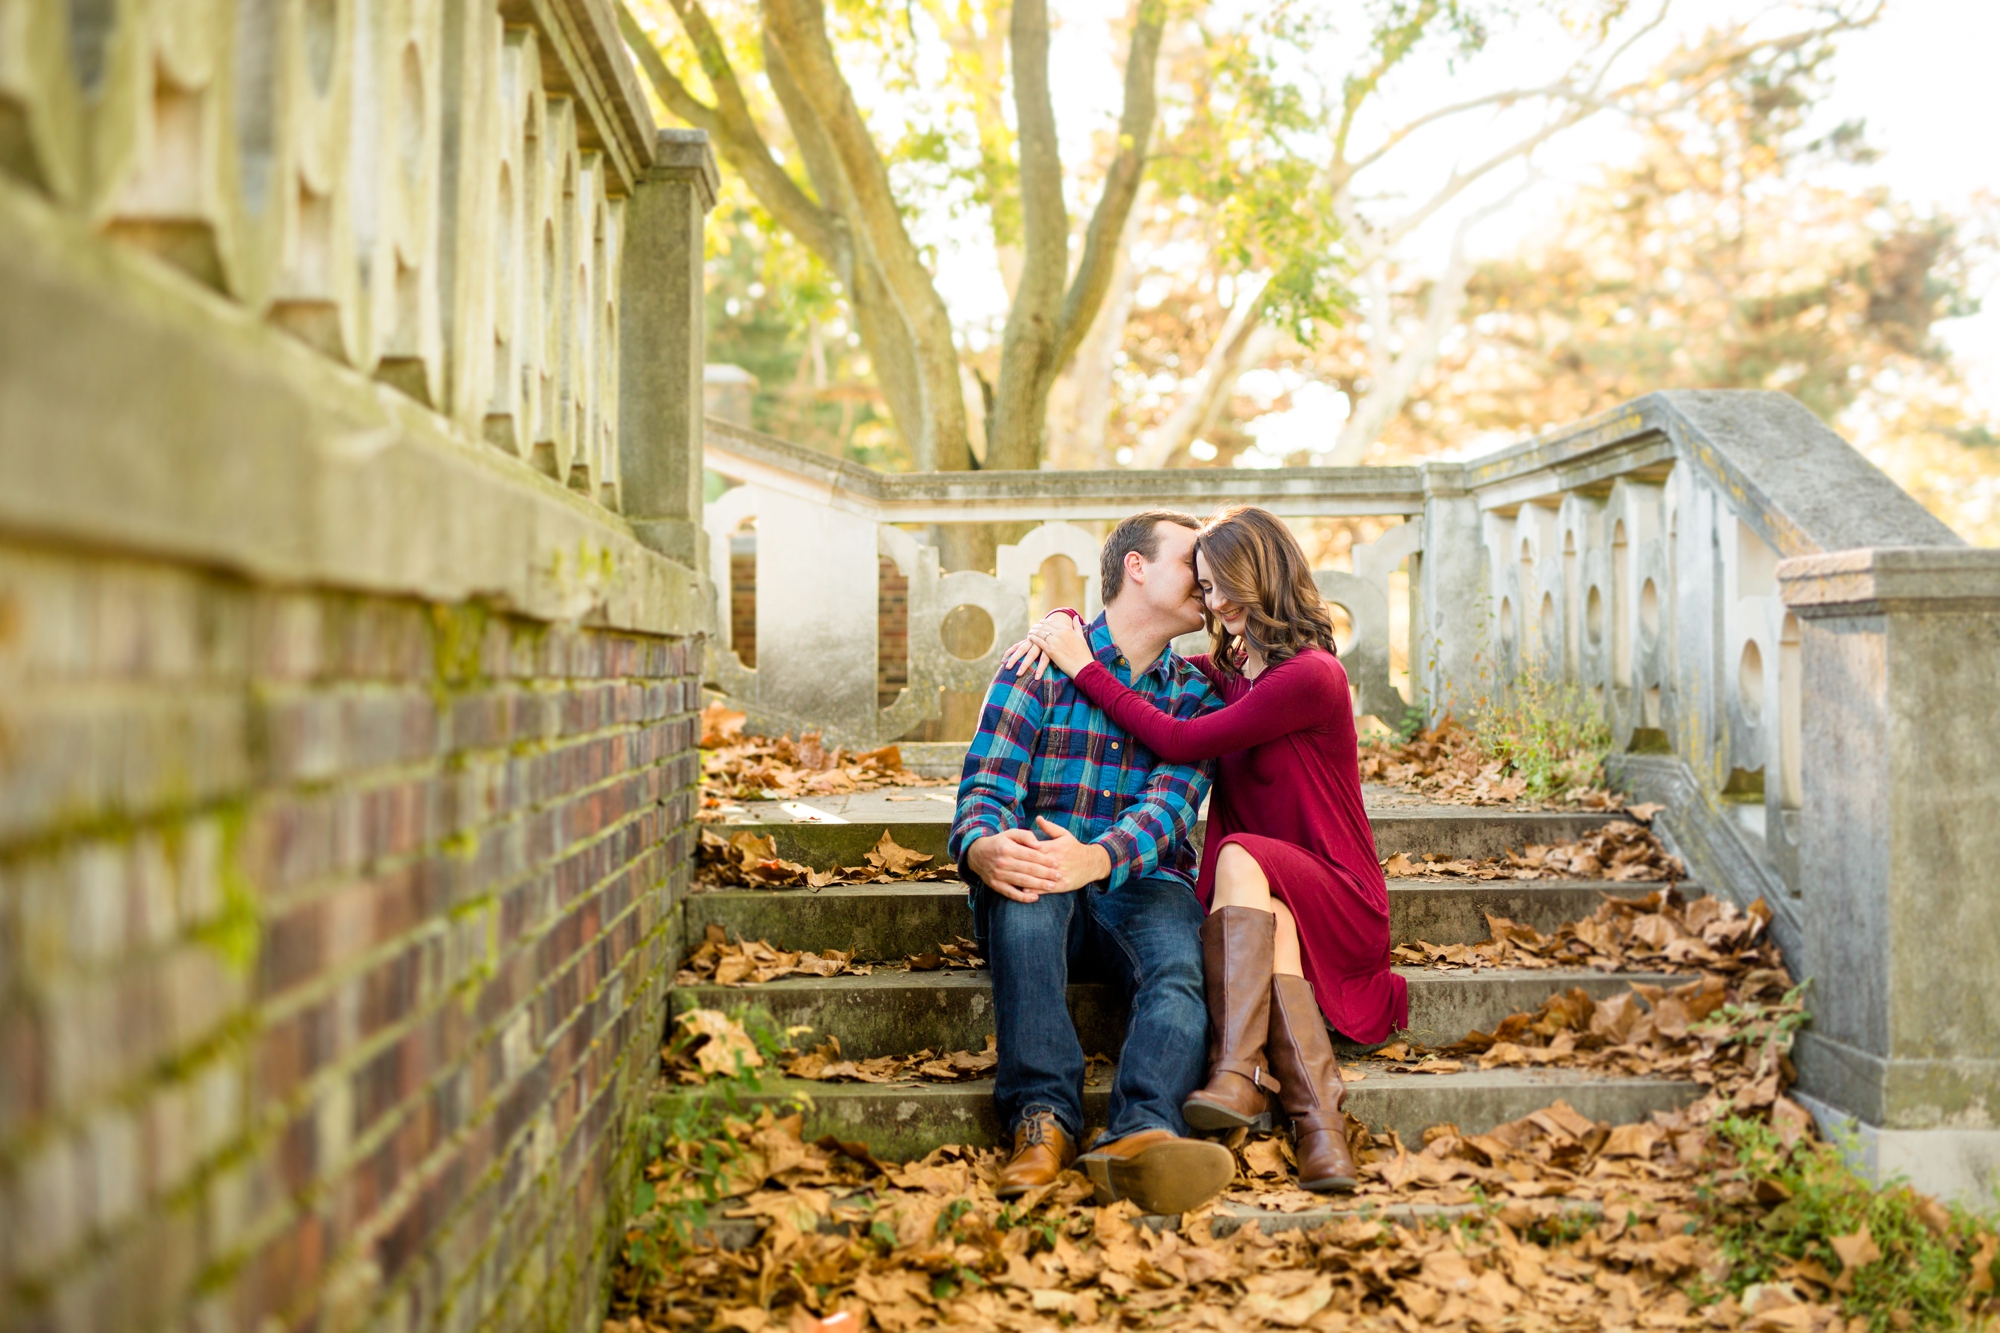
x=1877 y=575
x=611 y=81
x=683 y=154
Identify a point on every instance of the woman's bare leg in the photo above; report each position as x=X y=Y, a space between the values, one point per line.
x=1240 y=882
x=1285 y=960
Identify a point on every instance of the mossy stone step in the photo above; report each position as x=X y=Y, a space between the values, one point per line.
x=892 y=921
x=900 y=1012
x=904 y=1121
x=922 y=825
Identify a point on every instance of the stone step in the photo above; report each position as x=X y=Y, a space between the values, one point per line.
x=922 y=824
x=906 y=1120
x=895 y=920
x=899 y=1012
x=740 y=1233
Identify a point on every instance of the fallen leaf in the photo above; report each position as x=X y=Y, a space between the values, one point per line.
x=1857 y=1250
x=894 y=859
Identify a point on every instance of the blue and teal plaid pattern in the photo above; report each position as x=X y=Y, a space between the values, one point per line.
x=1044 y=749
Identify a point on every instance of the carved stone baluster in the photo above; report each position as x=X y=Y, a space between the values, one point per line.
x=164 y=152
x=315 y=291
x=508 y=339
x=584 y=270
x=47 y=52
x=469 y=207
x=396 y=161
x=609 y=367
x=556 y=310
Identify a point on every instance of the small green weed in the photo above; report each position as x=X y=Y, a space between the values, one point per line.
x=1934 y=1263
x=686 y=1152
x=1548 y=731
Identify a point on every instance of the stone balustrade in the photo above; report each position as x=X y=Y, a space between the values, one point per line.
x=1641 y=555
x=432 y=192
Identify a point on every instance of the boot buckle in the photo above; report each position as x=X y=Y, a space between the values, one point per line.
x=1260 y=1077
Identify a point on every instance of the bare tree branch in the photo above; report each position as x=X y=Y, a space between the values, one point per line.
x=1396 y=372
x=798 y=29
x=736 y=134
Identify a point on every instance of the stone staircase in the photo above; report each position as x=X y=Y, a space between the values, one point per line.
x=900 y=1012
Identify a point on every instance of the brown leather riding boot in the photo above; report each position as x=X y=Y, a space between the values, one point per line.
x=1313 y=1093
x=1161 y=1172
x=1041 y=1152
x=1236 y=945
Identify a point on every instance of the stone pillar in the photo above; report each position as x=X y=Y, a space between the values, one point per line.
x=1454 y=622
x=1898 y=856
x=661 y=350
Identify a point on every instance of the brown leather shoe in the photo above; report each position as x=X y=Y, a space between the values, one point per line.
x=1041 y=1153
x=1236 y=947
x=1313 y=1093
x=1159 y=1171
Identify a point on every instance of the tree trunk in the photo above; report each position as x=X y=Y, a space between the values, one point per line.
x=1015 y=429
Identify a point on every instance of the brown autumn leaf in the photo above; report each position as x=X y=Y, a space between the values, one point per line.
x=1857 y=1250
x=709 y=1043
x=894 y=859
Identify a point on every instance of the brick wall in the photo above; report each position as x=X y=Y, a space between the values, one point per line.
x=333 y=934
x=892 y=634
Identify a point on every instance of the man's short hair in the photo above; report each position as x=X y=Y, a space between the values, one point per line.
x=1140 y=533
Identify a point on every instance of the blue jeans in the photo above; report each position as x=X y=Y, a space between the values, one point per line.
x=1143 y=936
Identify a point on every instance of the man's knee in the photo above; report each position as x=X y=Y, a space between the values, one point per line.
x=1013 y=923
x=1176 y=972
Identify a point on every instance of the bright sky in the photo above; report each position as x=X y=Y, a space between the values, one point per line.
x=1921 y=78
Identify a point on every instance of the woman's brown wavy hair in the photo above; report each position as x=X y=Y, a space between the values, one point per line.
x=1251 y=557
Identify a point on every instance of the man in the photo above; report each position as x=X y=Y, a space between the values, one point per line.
x=1108 y=882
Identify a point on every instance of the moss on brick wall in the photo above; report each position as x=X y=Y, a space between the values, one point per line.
x=334 y=933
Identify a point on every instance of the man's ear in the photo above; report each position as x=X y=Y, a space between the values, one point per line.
x=1135 y=567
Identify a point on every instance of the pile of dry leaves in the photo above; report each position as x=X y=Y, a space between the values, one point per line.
x=736 y=767
x=1583 y=1225
x=750 y=860
x=1446 y=764
x=1619 y=851
x=720 y=961
x=825 y=1063
x=1566 y=1223
x=1657 y=933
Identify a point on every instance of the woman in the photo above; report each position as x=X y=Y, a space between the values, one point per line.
x=1298 y=910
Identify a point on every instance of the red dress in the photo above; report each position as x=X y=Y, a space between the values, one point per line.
x=1288 y=791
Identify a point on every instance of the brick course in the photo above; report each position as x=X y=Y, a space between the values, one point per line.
x=334 y=933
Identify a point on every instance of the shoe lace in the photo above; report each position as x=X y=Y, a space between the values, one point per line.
x=1033 y=1130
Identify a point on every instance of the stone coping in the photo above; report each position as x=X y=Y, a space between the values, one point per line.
x=1851 y=581
x=142 y=413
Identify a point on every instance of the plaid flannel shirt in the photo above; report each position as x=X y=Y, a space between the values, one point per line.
x=1043 y=749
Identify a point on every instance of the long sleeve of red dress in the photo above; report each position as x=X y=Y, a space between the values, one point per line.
x=1281 y=703
x=1288 y=791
